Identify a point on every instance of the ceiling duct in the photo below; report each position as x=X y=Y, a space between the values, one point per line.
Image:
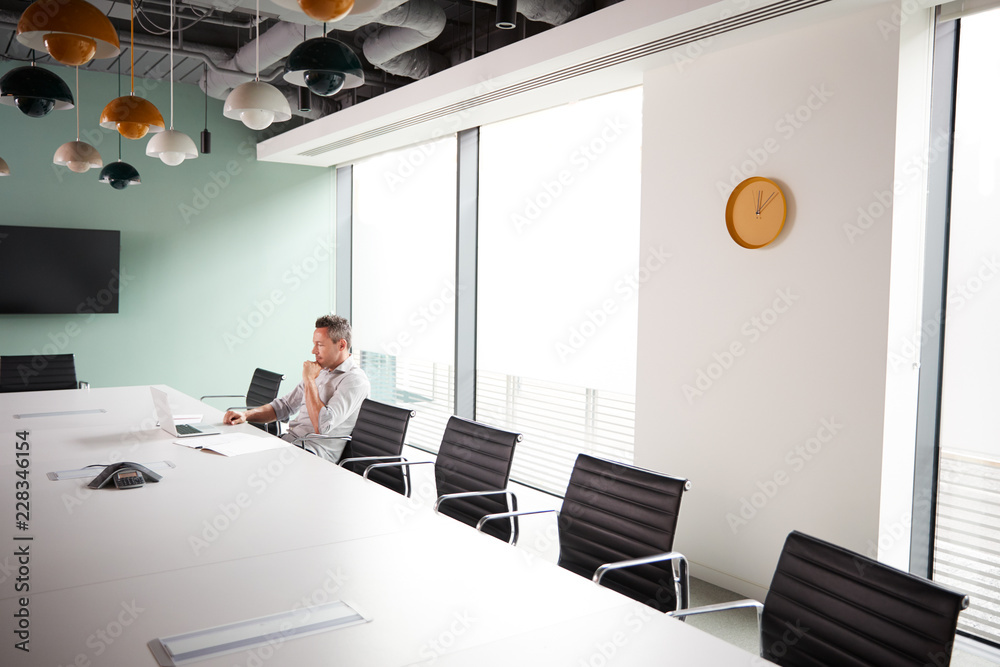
x=544 y=11
x=395 y=45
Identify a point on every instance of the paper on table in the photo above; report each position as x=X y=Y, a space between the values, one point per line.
x=233 y=444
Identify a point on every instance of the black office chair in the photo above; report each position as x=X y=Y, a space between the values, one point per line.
x=264 y=387
x=616 y=527
x=38 y=373
x=378 y=437
x=471 y=473
x=831 y=606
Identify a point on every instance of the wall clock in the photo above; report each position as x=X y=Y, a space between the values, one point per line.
x=755 y=212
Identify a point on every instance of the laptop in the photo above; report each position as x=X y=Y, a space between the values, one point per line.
x=166 y=418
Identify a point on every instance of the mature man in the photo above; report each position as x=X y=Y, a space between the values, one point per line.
x=327 y=400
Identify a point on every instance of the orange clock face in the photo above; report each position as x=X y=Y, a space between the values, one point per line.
x=755 y=213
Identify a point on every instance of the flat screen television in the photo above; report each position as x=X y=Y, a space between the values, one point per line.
x=45 y=270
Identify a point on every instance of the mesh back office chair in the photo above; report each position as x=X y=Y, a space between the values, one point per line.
x=264 y=387
x=617 y=525
x=378 y=436
x=38 y=373
x=831 y=606
x=471 y=473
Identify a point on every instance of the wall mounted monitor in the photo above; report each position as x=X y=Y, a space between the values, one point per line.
x=45 y=270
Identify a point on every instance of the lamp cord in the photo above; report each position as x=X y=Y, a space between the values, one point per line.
x=119 y=95
x=78 y=103
x=131 y=49
x=256 y=44
x=172 y=64
x=206 y=96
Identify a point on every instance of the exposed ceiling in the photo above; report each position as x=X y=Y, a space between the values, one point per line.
x=215 y=36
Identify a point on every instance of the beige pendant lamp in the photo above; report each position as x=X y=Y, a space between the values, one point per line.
x=78 y=156
x=132 y=116
x=4 y=169
x=255 y=103
x=73 y=32
x=172 y=147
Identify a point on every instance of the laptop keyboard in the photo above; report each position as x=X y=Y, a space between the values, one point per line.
x=186 y=429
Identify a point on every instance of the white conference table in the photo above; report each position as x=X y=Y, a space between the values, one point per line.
x=111 y=570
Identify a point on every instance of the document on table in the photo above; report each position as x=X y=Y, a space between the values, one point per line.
x=233 y=444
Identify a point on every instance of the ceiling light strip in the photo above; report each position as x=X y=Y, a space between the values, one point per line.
x=641 y=51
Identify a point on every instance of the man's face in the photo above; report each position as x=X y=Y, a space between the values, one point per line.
x=329 y=354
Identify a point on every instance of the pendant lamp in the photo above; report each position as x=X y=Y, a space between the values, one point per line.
x=359 y=7
x=506 y=14
x=206 y=136
x=324 y=66
x=4 y=169
x=326 y=10
x=172 y=147
x=132 y=116
x=78 y=155
x=256 y=103
x=119 y=175
x=35 y=91
x=73 y=32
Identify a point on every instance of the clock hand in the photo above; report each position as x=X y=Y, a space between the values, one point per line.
x=767 y=202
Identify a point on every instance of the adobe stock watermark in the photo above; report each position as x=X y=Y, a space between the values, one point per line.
x=323 y=594
x=580 y=160
x=103 y=638
x=410 y=161
x=752 y=330
x=219 y=180
x=881 y=203
x=901 y=13
x=624 y=289
x=421 y=319
x=786 y=126
x=686 y=56
x=796 y=459
x=293 y=277
x=459 y=624
x=59 y=341
x=960 y=294
x=229 y=513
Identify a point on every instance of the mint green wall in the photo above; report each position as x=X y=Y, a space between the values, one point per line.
x=227 y=261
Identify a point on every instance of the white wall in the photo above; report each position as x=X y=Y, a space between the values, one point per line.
x=794 y=422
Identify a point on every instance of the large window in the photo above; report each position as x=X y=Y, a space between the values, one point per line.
x=403 y=281
x=967 y=536
x=559 y=270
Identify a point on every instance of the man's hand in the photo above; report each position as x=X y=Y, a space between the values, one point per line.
x=310 y=371
x=232 y=417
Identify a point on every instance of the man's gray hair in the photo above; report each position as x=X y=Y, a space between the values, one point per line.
x=337 y=327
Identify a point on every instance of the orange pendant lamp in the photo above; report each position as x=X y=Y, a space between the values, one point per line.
x=73 y=32
x=132 y=116
x=326 y=10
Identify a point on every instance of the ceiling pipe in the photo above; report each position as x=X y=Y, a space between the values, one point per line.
x=149 y=7
x=394 y=46
x=546 y=11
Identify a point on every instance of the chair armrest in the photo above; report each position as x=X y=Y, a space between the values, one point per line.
x=682 y=579
x=400 y=464
x=83 y=385
x=477 y=494
x=474 y=494
x=508 y=515
x=725 y=606
x=221 y=396
x=354 y=459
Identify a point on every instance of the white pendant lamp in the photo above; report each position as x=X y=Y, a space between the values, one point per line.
x=172 y=147
x=78 y=155
x=256 y=103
